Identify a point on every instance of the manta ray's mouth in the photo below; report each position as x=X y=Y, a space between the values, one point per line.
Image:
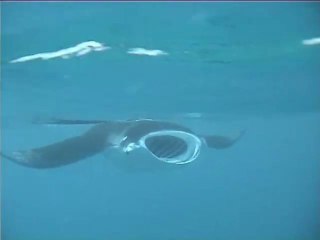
x=172 y=146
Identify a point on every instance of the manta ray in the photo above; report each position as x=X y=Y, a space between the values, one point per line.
x=169 y=142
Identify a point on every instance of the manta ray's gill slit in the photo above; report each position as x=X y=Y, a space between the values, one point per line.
x=166 y=146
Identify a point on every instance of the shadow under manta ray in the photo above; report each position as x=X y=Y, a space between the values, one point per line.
x=166 y=141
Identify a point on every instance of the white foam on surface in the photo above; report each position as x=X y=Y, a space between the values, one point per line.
x=311 y=41
x=148 y=52
x=78 y=50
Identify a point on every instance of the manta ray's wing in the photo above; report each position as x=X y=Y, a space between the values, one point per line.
x=221 y=142
x=70 y=150
x=59 y=121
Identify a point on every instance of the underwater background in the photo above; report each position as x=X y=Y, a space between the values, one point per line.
x=223 y=67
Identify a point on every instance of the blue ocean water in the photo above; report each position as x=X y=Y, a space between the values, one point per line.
x=229 y=67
